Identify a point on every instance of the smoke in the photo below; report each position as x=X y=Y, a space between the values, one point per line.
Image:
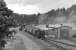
x=60 y=20
x=70 y=21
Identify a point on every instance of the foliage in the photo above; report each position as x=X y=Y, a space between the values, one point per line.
x=25 y=19
x=6 y=21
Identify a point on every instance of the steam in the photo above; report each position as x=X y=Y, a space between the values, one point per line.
x=71 y=21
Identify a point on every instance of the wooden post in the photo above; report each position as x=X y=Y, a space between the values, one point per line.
x=58 y=32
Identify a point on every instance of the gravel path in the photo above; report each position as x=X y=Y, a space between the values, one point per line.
x=22 y=43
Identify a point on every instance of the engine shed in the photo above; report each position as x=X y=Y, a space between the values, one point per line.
x=62 y=32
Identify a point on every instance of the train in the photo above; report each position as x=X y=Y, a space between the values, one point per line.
x=61 y=32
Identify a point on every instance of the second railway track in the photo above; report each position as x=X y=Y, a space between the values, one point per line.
x=55 y=45
x=61 y=45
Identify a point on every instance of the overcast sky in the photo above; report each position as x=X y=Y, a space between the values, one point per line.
x=34 y=6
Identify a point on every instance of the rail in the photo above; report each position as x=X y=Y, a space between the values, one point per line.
x=59 y=47
x=62 y=43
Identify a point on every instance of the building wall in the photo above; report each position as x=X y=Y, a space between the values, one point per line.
x=65 y=32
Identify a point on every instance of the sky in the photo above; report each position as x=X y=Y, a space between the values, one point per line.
x=37 y=6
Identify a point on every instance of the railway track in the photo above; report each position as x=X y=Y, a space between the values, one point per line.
x=55 y=45
x=61 y=45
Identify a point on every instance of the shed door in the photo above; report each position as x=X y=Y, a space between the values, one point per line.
x=64 y=33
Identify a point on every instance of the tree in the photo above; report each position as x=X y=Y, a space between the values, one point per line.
x=6 y=21
x=52 y=13
x=5 y=24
